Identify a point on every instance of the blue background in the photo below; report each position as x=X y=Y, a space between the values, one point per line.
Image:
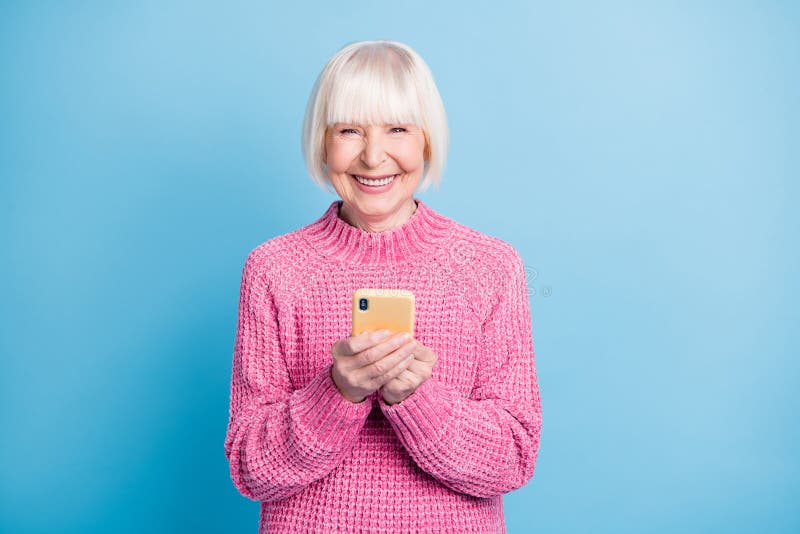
x=642 y=159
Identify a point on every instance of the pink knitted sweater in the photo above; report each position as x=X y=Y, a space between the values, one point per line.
x=439 y=461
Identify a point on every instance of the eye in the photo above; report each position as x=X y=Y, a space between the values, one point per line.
x=348 y=130
x=399 y=128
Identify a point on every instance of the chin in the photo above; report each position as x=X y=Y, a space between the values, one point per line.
x=373 y=205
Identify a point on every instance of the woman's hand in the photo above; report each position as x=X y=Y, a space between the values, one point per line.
x=397 y=389
x=363 y=363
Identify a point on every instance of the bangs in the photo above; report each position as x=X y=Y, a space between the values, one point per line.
x=370 y=90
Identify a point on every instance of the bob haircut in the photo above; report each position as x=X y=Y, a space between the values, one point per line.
x=375 y=82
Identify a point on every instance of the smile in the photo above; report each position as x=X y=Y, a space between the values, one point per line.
x=375 y=182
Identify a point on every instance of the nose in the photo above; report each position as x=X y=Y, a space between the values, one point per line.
x=373 y=154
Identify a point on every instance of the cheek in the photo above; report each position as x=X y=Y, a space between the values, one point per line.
x=410 y=157
x=339 y=156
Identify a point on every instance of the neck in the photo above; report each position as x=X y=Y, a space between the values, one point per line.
x=422 y=233
x=379 y=223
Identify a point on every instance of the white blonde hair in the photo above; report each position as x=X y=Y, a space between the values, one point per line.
x=375 y=82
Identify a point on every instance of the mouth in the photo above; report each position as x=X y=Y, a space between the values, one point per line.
x=375 y=181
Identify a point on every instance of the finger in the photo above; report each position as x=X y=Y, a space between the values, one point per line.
x=382 y=367
x=420 y=370
x=418 y=367
x=396 y=371
x=382 y=349
x=355 y=344
x=424 y=353
x=408 y=380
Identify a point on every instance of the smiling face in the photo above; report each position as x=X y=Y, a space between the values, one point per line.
x=388 y=158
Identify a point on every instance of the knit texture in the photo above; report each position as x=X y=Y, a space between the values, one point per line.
x=439 y=461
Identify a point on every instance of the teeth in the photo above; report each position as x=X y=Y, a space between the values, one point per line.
x=375 y=183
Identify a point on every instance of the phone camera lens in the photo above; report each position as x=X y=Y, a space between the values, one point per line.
x=362 y=304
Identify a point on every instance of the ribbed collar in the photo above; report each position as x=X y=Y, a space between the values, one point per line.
x=335 y=238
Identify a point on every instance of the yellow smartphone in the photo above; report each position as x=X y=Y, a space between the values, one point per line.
x=376 y=309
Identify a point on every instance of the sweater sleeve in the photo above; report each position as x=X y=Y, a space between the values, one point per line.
x=280 y=439
x=485 y=445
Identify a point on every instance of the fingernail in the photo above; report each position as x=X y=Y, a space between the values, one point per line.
x=406 y=336
x=382 y=334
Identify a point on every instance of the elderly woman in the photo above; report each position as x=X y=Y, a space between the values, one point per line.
x=381 y=432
